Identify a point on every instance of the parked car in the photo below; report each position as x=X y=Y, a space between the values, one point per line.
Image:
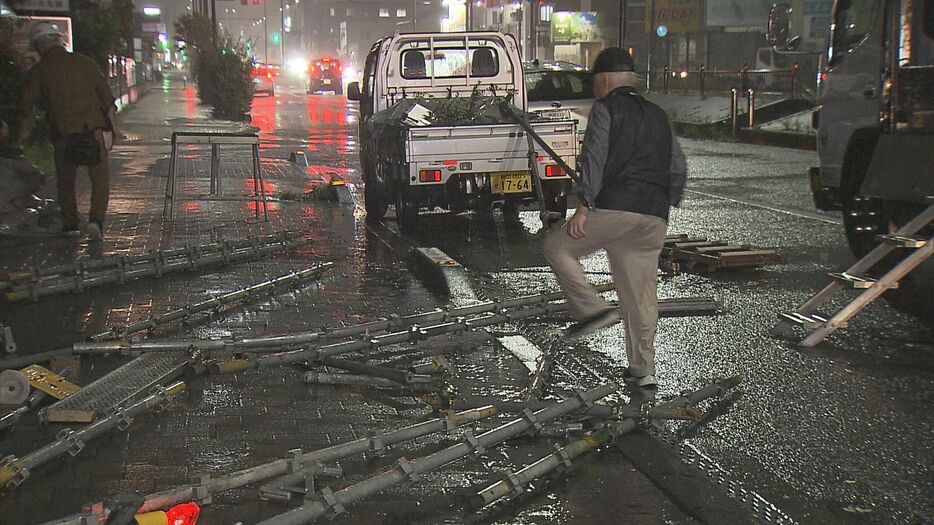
x=559 y=90
x=325 y=74
x=264 y=79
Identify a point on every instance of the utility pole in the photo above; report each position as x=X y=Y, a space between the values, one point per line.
x=265 y=34
x=623 y=20
x=281 y=31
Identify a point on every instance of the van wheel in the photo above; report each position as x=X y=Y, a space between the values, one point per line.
x=374 y=194
x=406 y=210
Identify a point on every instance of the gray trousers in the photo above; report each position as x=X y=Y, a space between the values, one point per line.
x=633 y=242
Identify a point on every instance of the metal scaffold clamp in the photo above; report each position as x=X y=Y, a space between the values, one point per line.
x=562 y=455
x=516 y=486
x=68 y=437
x=333 y=506
x=375 y=445
x=585 y=403
x=535 y=426
x=404 y=466
x=295 y=460
x=11 y=471
x=124 y=420
x=475 y=446
x=200 y=491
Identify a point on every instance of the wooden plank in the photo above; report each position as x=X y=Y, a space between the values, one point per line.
x=721 y=249
x=59 y=415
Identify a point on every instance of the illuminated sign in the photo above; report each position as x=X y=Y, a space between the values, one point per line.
x=678 y=16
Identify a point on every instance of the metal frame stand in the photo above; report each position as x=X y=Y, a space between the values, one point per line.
x=215 y=140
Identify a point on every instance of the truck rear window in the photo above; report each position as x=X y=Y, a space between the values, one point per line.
x=449 y=63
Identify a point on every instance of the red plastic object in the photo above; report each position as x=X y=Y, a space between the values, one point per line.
x=183 y=514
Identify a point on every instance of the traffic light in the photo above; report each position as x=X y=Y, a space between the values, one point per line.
x=276 y=38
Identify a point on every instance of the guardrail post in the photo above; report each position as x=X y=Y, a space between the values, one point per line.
x=665 y=80
x=794 y=80
x=751 y=107
x=703 y=92
x=734 y=109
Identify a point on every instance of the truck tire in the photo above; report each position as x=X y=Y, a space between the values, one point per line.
x=556 y=200
x=406 y=210
x=374 y=194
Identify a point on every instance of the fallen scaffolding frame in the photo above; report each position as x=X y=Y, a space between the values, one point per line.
x=514 y=483
x=157 y=267
x=333 y=503
x=207 y=486
x=215 y=303
x=15 y=470
x=37 y=273
x=288 y=474
x=414 y=324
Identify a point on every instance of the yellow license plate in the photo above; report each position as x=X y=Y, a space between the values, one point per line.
x=512 y=182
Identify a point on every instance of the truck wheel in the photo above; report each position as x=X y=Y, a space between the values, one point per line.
x=406 y=210
x=556 y=200
x=374 y=195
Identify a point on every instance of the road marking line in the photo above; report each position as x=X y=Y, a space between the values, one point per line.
x=801 y=214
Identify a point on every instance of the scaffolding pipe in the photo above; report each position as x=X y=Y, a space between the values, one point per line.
x=333 y=503
x=203 y=491
x=117 y=261
x=278 y=342
x=405 y=377
x=216 y=302
x=79 y=283
x=561 y=458
x=596 y=411
x=15 y=470
x=323 y=378
x=513 y=483
x=412 y=335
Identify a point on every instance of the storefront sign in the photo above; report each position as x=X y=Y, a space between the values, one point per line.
x=574 y=26
x=677 y=16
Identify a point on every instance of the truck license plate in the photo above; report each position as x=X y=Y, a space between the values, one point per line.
x=512 y=182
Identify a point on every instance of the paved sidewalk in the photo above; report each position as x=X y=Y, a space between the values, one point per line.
x=228 y=422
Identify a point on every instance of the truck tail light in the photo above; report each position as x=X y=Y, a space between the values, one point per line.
x=429 y=176
x=553 y=170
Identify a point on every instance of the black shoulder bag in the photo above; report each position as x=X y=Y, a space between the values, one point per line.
x=82 y=149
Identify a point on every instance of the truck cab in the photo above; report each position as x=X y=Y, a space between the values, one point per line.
x=875 y=119
x=457 y=167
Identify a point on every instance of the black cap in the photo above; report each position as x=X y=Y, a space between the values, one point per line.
x=613 y=59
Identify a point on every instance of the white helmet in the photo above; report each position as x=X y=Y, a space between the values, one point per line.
x=46 y=30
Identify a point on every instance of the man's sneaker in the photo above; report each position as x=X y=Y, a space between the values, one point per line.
x=595 y=323
x=94 y=231
x=643 y=381
x=71 y=233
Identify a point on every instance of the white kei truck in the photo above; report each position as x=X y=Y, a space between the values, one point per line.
x=456 y=167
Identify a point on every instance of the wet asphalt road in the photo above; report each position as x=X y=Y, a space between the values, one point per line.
x=838 y=433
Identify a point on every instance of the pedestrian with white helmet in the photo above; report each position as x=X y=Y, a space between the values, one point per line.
x=79 y=108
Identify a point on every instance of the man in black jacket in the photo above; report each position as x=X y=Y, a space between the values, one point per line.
x=632 y=170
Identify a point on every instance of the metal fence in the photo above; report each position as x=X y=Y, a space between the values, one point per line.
x=782 y=82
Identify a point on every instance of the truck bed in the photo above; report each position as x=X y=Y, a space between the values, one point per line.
x=486 y=148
